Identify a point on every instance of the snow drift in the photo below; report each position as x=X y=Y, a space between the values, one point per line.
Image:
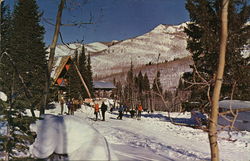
x=68 y=135
x=3 y=96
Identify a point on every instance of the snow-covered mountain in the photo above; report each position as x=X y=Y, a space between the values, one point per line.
x=161 y=45
x=166 y=42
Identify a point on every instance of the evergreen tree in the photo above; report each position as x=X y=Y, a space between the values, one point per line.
x=76 y=88
x=27 y=53
x=146 y=84
x=74 y=81
x=140 y=82
x=5 y=27
x=28 y=49
x=83 y=70
x=5 y=70
x=86 y=71
x=89 y=76
x=146 y=89
x=129 y=88
x=157 y=84
x=203 y=39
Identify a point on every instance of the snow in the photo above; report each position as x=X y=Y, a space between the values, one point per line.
x=3 y=96
x=168 y=41
x=68 y=135
x=96 y=47
x=242 y=121
x=151 y=138
x=234 y=104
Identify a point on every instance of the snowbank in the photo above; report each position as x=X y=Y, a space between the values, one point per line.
x=68 y=135
x=3 y=96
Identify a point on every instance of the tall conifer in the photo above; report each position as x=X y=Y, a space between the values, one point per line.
x=89 y=74
x=157 y=87
x=203 y=39
x=5 y=70
x=28 y=49
x=24 y=44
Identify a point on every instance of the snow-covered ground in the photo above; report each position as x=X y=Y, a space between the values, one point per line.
x=151 y=138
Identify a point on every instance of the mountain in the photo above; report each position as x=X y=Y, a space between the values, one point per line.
x=165 y=45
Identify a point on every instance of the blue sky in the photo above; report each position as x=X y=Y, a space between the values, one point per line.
x=113 y=19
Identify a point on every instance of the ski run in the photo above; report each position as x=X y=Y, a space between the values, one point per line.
x=153 y=137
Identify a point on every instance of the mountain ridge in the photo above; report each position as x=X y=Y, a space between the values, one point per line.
x=163 y=44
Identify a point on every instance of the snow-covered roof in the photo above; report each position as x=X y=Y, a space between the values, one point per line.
x=234 y=104
x=103 y=85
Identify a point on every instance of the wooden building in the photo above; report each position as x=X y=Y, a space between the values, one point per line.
x=103 y=89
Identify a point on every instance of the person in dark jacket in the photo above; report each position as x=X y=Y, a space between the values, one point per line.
x=120 y=110
x=103 y=109
x=69 y=105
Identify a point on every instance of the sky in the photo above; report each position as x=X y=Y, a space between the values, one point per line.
x=112 y=19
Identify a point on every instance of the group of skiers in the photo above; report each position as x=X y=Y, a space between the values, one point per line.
x=103 y=108
x=124 y=108
x=73 y=104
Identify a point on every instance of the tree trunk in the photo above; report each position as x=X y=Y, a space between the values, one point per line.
x=218 y=83
x=52 y=55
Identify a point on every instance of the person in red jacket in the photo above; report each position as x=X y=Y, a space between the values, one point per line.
x=96 y=108
x=139 y=110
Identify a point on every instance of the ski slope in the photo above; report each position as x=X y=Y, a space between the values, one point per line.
x=152 y=138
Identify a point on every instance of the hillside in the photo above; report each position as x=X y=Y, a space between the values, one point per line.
x=164 y=45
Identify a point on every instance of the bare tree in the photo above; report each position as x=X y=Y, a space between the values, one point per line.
x=212 y=134
x=54 y=43
x=52 y=55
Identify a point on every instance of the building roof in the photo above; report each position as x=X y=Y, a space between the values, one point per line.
x=60 y=67
x=103 y=85
x=235 y=104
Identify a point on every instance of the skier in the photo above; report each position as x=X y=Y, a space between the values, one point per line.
x=120 y=110
x=62 y=104
x=132 y=112
x=69 y=105
x=75 y=103
x=112 y=109
x=96 y=108
x=139 y=111
x=103 y=109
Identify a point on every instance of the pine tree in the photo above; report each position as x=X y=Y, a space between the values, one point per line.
x=83 y=70
x=157 y=84
x=146 y=84
x=74 y=82
x=27 y=59
x=5 y=70
x=203 y=39
x=28 y=49
x=146 y=89
x=76 y=88
x=140 y=82
x=89 y=74
x=5 y=27
x=129 y=88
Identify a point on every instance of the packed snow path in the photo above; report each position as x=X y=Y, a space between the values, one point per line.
x=155 y=138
